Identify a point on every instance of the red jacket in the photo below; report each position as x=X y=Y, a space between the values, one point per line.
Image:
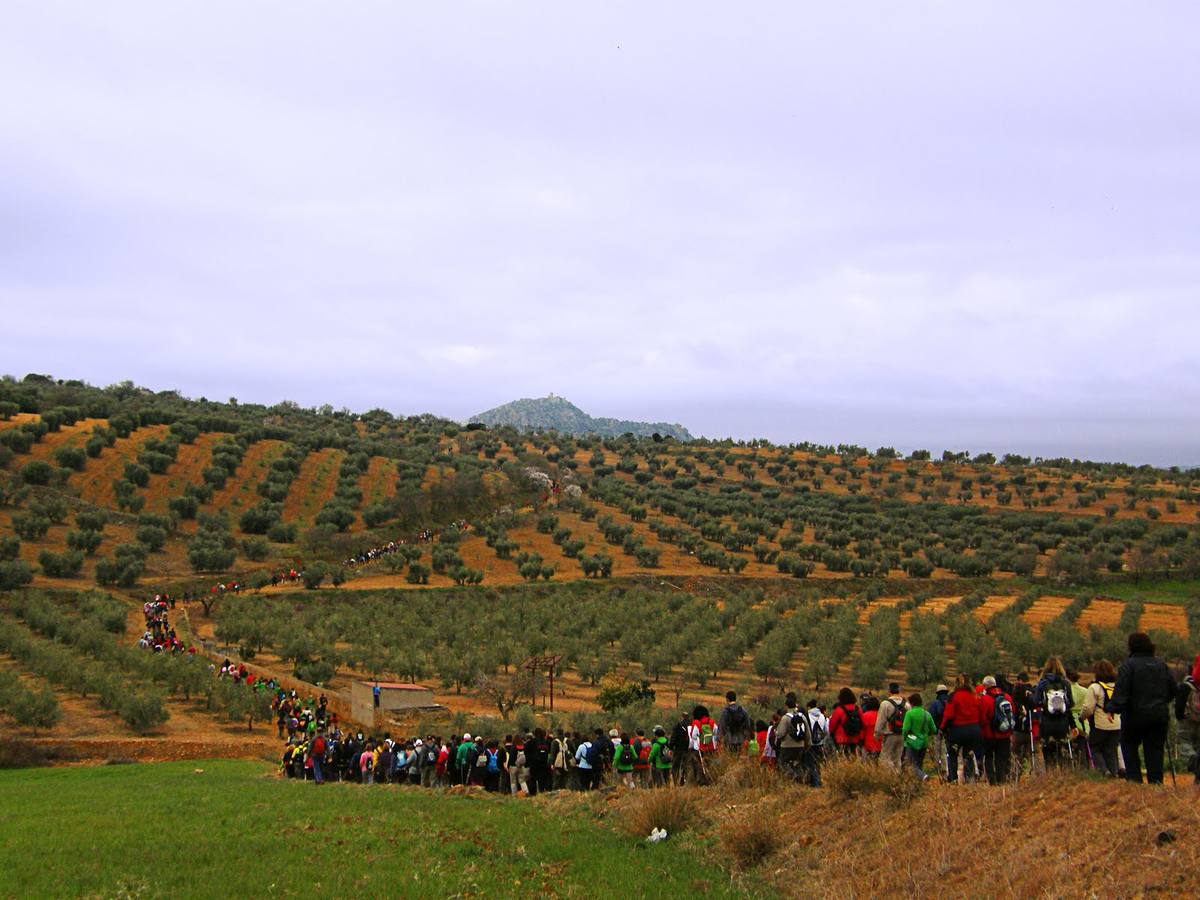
x=988 y=708
x=965 y=708
x=837 y=727
x=869 y=743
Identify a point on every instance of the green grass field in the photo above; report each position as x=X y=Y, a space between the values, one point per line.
x=236 y=830
x=1177 y=591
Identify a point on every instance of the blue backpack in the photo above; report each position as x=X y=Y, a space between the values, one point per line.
x=593 y=755
x=492 y=765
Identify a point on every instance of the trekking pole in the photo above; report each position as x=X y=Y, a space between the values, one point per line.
x=1171 y=760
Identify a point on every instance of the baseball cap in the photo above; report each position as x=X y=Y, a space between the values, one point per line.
x=942 y=687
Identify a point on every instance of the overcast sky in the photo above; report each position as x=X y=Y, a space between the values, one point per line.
x=968 y=225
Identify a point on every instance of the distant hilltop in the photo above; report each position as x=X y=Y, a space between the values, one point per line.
x=554 y=413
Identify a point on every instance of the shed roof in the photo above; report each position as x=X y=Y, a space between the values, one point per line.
x=395 y=685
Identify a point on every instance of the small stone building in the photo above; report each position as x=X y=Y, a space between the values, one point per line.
x=374 y=702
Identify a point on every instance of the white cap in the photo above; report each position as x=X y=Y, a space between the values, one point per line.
x=467 y=737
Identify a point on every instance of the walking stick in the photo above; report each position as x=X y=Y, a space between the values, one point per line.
x=1171 y=759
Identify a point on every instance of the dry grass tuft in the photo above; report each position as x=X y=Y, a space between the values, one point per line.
x=749 y=838
x=849 y=779
x=673 y=809
x=732 y=773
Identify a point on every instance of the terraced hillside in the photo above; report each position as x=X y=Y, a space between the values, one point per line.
x=971 y=561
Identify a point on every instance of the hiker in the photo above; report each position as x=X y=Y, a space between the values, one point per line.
x=1187 y=716
x=872 y=747
x=660 y=758
x=517 y=763
x=846 y=724
x=1079 y=730
x=797 y=755
x=680 y=749
x=820 y=728
x=937 y=709
x=962 y=725
x=735 y=725
x=1052 y=699
x=537 y=757
x=461 y=768
x=917 y=731
x=999 y=722
x=587 y=763
x=889 y=726
x=641 y=758
x=506 y=752
x=1142 y=696
x=703 y=740
x=1105 y=737
x=562 y=754
x=1022 y=738
x=478 y=763
x=766 y=739
x=316 y=751
x=624 y=758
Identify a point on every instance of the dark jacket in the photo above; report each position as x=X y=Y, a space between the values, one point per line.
x=679 y=739
x=1144 y=691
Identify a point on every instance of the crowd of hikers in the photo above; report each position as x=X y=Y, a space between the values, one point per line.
x=971 y=732
x=160 y=635
x=425 y=536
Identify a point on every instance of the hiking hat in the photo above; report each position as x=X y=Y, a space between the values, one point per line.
x=989 y=680
x=941 y=688
x=614 y=733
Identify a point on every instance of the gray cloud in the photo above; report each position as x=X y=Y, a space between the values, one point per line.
x=936 y=223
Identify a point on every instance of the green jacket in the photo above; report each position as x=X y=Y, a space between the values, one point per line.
x=918 y=728
x=460 y=755
x=624 y=758
x=656 y=754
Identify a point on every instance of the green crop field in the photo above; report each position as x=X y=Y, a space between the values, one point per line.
x=233 y=829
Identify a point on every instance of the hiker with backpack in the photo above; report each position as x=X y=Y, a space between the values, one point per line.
x=734 y=725
x=962 y=725
x=917 y=731
x=589 y=761
x=846 y=724
x=819 y=724
x=798 y=756
x=889 y=726
x=1105 y=737
x=660 y=758
x=1187 y=718
x=703 y=740
x=1052 y=700
x=1142 y=696
x=624 y=758
x=999 y=722
x=641 y=758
